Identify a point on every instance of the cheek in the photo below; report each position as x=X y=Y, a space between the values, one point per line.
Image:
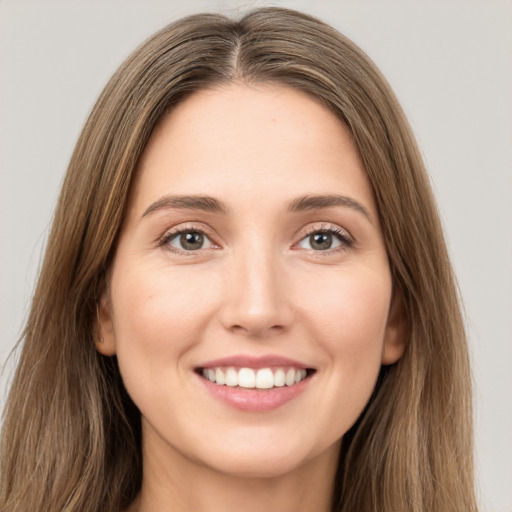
x=158 y=316
x=348 y=321
x=351 y=307
x=153 y=305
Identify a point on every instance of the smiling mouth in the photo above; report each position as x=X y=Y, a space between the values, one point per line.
x=258 y=379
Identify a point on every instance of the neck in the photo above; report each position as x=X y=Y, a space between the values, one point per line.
x=186 y=485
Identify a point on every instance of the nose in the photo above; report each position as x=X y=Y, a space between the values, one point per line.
x=258 y=300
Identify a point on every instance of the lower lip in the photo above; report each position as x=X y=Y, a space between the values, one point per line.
x=254 y=400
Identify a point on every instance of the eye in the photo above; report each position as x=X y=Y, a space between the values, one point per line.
x=325 y=239
x=187 y=240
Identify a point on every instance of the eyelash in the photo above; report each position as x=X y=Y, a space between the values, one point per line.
x=346 y=241
x=164 y=240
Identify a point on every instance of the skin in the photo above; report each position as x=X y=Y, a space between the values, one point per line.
x=259 y=287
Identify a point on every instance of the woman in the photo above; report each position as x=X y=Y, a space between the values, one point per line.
x=246 y=298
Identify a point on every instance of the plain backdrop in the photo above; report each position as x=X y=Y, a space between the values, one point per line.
x=450 y=65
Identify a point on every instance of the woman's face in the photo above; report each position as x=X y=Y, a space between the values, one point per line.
x=249 y=302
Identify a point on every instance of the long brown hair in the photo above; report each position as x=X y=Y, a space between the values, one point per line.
x=71 y=435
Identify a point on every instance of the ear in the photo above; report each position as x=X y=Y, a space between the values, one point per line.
x=396 y=331
x=105 y=340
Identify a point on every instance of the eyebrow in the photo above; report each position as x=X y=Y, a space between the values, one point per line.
x=210 y=204
x=327 y=201
x=204 y=203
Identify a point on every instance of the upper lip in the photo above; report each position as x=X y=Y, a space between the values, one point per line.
x=249 y=361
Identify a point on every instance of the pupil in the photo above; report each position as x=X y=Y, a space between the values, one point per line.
x=321 y=241
x=192 y=240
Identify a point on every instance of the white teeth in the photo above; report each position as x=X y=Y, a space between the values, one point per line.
x=219 y=376
x=299 y=375
x=279 y=378
x=263 y=378
x=246 y=378
x=290 y=377
x=231 y=377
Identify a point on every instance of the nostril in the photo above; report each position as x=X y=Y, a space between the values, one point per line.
x=256 y=329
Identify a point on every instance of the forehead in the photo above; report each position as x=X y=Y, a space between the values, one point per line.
x=248 y=143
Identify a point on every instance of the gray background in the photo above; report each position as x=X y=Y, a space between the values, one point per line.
x=450 y=65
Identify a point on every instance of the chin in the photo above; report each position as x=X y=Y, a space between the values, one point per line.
x=269 y=467
x=271 y=461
